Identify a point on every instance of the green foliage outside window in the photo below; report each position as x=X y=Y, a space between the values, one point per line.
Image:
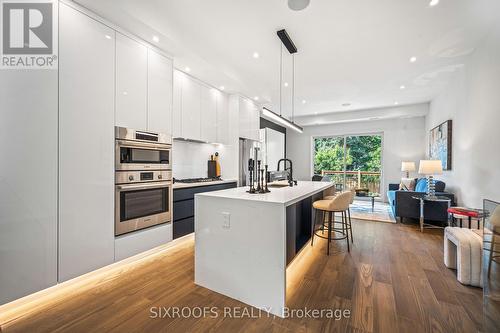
x=363 y=153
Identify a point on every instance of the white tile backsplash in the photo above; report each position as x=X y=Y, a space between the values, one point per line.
x=189 y=159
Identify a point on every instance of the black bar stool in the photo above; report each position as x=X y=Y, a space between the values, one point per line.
x=339 y=204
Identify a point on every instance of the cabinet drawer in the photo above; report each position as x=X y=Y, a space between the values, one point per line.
x=183 y=209
x=183 y=227
x=188 y=193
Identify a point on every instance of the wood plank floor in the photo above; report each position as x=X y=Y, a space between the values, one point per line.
x=392 y=281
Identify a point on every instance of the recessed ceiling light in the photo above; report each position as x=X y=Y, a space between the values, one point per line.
x=156 y=39
x=413 y=59
x=221 y=88
x=256 y=55
x=285 y=84
x=303 y=101
x=346 y=104
x=187 y=69
x=256 y=98
x=433 y=3
x=396 y=103
x=298 y=4
x=315 y=113
x=402 y=87
x=107 y=36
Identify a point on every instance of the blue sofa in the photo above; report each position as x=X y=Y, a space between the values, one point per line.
x=403 y=204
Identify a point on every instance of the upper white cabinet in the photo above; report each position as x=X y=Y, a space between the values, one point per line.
x=249 y=116
x=86 y=142
x=131 y=83
x=159 y=113
x=209 y=114
x=200 y=112
x=191 y=108
x=177 y=105
x=222 y=135
x=143 y=87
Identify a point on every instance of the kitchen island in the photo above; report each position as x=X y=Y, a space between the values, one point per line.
x=244 y=242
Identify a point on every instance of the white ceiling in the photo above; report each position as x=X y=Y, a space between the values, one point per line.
x=350 y=51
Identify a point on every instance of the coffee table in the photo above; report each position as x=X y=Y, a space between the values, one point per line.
x=372 y=196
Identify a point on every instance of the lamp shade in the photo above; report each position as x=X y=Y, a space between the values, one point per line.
x=430 y=167
x=408 y=166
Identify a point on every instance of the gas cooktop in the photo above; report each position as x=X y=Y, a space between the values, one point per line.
x=196 y=180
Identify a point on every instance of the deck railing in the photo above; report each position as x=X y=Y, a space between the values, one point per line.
x=355 y=179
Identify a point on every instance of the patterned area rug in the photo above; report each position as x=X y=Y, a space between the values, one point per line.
x=362 y=210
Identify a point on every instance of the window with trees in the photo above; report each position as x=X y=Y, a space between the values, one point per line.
x=351 y=162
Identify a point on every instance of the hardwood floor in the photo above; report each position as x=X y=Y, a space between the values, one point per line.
x=393 y=280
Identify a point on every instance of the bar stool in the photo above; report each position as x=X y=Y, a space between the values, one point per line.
x=339 y=204
x=353 y=194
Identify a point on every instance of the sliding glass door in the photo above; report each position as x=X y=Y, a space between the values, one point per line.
x=350 y=161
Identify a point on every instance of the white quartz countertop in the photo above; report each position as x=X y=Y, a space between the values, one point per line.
x=281 y=195
x=215 y=182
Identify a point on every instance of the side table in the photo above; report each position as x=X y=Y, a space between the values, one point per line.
x=459 y=213
x=425 y=199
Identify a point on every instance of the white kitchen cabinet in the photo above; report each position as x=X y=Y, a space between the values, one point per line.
x=86 y=138
x=222 y=125
x=191 y=109
x=28 y=185
x=159 y=86
x=177 y=105
x=249 y=116
x=131 y=83
x=199 y=112
x=142 y=240
x=209 y=114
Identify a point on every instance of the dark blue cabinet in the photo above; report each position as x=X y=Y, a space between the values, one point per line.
x=183 y=222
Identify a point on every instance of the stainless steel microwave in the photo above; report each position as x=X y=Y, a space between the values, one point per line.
x=142 y=150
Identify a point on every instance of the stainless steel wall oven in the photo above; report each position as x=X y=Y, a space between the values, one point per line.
x=143 y=180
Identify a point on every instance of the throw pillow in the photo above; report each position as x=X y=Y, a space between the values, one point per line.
x=421 y=185
x=407 y=184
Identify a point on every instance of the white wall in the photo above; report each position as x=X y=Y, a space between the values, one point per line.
x=472 y=101
x=403 y=139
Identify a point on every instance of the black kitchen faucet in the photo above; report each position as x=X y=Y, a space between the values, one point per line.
x=289 y=169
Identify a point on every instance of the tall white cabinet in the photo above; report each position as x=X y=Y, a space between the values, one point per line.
x=28 y=182
x=86 y=140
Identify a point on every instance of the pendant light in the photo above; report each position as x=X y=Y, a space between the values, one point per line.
x=288 y=43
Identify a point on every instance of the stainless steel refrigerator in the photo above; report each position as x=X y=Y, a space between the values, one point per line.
x=246 y=151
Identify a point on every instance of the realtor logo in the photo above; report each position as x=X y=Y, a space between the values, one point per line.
x=28 y=34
